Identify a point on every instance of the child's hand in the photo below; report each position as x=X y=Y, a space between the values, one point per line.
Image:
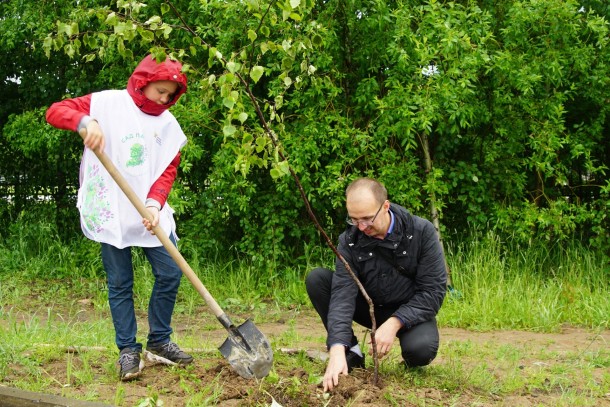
x=154 y=212
x=94 y=139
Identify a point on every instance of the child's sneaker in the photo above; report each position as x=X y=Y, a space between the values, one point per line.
x=129 y=362
x=169 y=353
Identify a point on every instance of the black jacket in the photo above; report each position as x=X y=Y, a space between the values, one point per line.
x=410 y=276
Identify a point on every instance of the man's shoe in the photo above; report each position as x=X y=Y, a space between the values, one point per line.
x=129 y=363
x=170 y=354
x=354 y=361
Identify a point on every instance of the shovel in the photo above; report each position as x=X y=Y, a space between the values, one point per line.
x=246 y=349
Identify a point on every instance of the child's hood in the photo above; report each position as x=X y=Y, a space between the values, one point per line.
x=149 y=70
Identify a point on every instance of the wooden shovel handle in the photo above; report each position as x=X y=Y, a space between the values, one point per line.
x=159 y=232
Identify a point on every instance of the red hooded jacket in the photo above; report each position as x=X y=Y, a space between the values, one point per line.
x=147 y=71
x=68 y=113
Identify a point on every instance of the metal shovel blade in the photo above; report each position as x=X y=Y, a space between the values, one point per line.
x=248 y=351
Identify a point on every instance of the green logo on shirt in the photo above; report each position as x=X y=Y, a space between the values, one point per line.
x=136 y=156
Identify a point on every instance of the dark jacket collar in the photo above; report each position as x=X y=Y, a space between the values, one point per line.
x=403 y=225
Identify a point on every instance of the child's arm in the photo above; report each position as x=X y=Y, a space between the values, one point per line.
x=68 y=113
x=159 y=190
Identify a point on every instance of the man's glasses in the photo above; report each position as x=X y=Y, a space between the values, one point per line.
x=365 y=221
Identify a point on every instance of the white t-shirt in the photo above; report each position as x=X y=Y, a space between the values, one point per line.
x=141 y=146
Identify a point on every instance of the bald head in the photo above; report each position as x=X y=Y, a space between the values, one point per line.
x=366 y=188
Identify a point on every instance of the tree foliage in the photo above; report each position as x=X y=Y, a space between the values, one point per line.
x=507 y=100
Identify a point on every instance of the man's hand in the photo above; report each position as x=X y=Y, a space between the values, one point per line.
x=94 y=139
x=337 y=364
x=384 y=336
x=154 y=214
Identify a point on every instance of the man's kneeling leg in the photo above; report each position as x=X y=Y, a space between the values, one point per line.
x=419 y=344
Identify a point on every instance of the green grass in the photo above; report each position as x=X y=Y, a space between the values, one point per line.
x=45 y=285
x=537 y=289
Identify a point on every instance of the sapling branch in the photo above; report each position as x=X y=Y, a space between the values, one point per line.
x=276 y=143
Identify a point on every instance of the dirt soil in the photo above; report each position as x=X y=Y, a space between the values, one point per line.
x=306 y=338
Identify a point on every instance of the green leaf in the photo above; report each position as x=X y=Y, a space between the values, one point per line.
x=225 y=90
x=275 y=173
x=284 y=167
x=164 y=8
x=63 y=28
x=90 y=41
x=256 y=73
x=254 y=4
x=295 y=3
x=228 y=102
x=243 y=116
x=69 y=50
x=74 y=29
x=231 y=66
x=247 y=138
x=287 y=63
x=119 y=28
x=153 y=20
x=252 y=35
x=229 y=130
x=46 y=45
x=146 y=35
x=111 y=19
x=261 y=143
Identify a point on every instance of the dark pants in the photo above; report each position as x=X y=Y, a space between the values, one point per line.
x=119 y=273
x=418 y=345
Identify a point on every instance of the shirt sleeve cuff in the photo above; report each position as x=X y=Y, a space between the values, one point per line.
x=152 y=202
x=84 y=121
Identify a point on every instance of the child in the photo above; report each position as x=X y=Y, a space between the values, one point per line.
x=135 y=129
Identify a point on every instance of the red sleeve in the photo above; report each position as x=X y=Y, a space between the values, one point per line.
x=161 y=187
x=67 y=114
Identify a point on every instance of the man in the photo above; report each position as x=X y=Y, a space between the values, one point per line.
x=399 y=261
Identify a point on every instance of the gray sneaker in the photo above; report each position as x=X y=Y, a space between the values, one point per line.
x=169 y=353
x=129 y=362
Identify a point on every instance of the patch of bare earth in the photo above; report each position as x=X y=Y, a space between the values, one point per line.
x=211 y=375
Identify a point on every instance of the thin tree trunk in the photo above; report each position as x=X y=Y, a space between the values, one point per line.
x=433 y=209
